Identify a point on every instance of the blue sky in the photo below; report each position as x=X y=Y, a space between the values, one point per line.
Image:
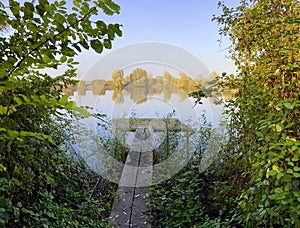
x=186 y=24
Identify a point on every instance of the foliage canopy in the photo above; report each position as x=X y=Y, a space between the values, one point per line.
x=36 y=173
x=265 y=47
x=257 y=182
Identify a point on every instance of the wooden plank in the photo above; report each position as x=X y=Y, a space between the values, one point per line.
x=144 y=174
x=157 y=124
x=122 y=207
x=130 y=169
x=140 y=216
x=130 y=205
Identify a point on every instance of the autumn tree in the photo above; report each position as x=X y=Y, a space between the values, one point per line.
x=138 y=74
x=117 y=78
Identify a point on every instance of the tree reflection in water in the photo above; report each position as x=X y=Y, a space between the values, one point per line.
x=141 y=85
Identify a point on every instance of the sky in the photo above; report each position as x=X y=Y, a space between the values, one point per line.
x=185 y=24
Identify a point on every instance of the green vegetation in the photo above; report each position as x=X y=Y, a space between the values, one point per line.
x=265 y=114
x=255 y=180
x=41 y=184
x=190 y=197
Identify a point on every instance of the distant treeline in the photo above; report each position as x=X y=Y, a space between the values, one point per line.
x=139 y=85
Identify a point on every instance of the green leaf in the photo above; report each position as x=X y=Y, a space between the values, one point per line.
x=288 y=105
x=289 y=171
x=35 y=98
x=28 y=10
x=107 y=44
x=46 y=58
x=297 y=175
x=49 y=138
x=278 y=190
x=2 y=168
x=84 y=44
x=77 y=47
x=41 y=9
x=68 y=51
x=277 y=127
x=101 y=25
x=70 y=60
x=97 y=45
x=43 y=98
x=15 y=8
x=63 y=58
x=18 y=100
x=59 y=18
x=291 y=163
x=76 y=3
x=64 y=100
x=3 y=110
x=82 y=111
x=26 y=99
x=72 y=19
x=279 y=175
x=259 y=134
x=118 y=30
x=109 y=7
x=71 y=105
x=15 y=181
x=26 y=134
x=29 y=6
x=296 y=168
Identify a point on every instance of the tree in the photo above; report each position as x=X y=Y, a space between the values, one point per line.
x=117 y=78
x=33 y=124
x=264 y=114
x=138 y=74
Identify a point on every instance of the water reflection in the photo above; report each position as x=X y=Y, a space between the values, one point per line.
x=141 y=93
x=141 y=96
x=139 y=86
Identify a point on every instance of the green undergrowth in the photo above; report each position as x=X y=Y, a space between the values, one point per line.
x=193 y=197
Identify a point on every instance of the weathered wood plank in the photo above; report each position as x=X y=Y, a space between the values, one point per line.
x=144 y=174
x=140 y=216
x=130 y=169
x=140 y=212
x=130 y=205
x=157 y=124
x=122 y=207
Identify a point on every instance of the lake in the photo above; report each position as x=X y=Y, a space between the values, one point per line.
x=139 y=82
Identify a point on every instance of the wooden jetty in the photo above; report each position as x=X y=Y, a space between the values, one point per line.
x=156 y=124
x=130 y=207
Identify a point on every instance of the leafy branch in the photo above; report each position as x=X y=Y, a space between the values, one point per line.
x=50 y=38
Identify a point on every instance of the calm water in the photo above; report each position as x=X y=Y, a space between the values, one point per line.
x=148 y=80
x=149 y=106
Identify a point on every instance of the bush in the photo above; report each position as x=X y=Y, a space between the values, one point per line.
x=40 y=184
